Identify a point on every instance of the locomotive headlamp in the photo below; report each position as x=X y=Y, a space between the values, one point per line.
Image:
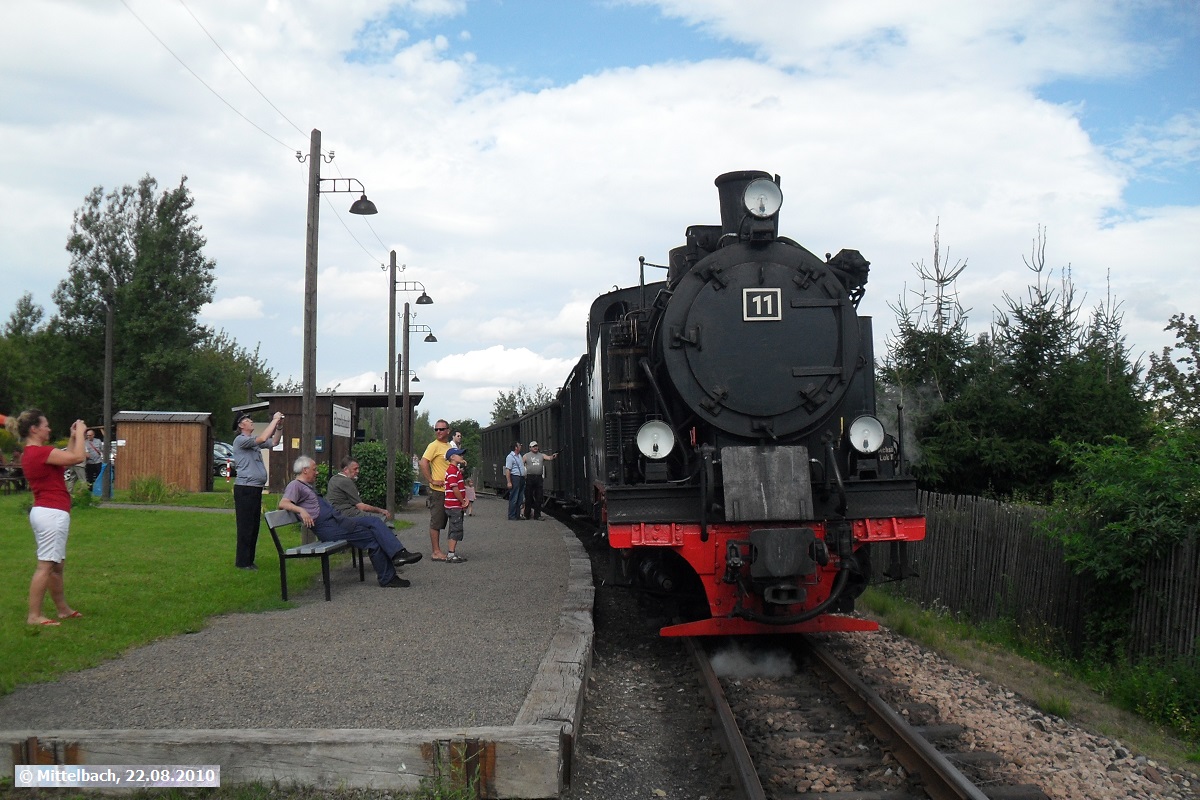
x=866 y=434
x=655 y=439
x=762 y=198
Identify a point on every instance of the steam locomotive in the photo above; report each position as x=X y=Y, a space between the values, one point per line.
x=722 y=430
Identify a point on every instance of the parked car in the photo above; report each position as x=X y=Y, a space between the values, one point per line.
x=223 y=460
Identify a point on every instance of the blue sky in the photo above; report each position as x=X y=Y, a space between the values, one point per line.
x=1166 y=85
x=524 y=154
x=541 y=42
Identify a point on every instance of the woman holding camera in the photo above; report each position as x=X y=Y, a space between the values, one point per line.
x=50 y=515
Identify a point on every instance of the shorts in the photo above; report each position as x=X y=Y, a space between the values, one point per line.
x=50 y=529
x=437 y=510
x=455 y=515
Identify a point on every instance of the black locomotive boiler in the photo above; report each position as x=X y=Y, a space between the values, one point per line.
x=722 y=428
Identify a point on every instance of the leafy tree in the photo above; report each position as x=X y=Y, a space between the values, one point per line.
x=26 y=318
x=516 y=402
x=233 y=376
x=22 y=381
x=143 y=251
x=422 y=432
x=472 y=441
x=148 y=246
x=1175 y=380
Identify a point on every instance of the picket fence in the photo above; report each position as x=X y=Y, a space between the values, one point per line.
x=986 y=560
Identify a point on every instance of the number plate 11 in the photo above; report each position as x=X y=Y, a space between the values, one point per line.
x=761 y=305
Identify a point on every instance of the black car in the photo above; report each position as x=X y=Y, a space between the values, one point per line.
x=223 y=460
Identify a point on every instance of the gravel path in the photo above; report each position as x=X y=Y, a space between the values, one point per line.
x=458 y=648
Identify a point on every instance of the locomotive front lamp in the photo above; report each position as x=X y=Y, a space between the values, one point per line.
x=655 y=439
x=763 y=198
x=866 y=434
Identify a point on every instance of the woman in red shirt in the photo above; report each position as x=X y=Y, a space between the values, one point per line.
x=51 y=513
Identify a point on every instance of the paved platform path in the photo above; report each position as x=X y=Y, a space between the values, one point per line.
x=458 y=648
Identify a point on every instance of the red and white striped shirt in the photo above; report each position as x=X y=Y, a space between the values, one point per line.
x=454 y=480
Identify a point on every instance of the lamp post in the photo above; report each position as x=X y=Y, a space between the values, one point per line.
x=308 y=403
x=423 y=300
x=109 y=301
x=406 y=372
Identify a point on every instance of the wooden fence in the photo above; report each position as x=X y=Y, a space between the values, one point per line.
x=986 y=560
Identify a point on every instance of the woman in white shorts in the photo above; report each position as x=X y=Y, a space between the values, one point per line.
x=51 y=513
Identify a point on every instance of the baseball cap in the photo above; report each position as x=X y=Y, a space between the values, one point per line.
x=533 y=444
x=237 y=422
x=454 y=451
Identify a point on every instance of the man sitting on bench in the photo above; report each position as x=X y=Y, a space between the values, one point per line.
x=342 y=493
x=368 y=533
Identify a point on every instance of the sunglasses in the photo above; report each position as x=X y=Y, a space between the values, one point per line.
x=441 y=429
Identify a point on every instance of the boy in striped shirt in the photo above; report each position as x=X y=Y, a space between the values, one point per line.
x=456 y=502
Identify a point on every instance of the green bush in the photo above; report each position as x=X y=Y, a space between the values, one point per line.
x=1124 y=505
x=1144 y=498
x=82 y=497
x=372 y=476
x=152 y=489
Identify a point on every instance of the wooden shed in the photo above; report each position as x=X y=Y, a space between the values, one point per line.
x=175 y=446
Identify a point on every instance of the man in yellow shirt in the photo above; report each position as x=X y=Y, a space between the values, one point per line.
x=433 y=470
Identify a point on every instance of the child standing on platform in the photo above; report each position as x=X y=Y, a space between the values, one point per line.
x=470 y=497
x=456 y=502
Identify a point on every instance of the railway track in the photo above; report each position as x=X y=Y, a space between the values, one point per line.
x=821 y=731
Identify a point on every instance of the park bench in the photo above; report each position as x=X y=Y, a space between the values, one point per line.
x=277 y=520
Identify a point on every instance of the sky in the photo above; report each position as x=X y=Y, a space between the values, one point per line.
x=523 y=155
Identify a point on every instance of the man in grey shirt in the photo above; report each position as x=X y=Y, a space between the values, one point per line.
x=251 y=478
x=342 y=493
x=534 y=476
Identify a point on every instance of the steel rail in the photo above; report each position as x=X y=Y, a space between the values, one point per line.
x=939 y=778
x=743 y=766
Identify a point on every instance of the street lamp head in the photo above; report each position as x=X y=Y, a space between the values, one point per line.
x=363 y=206
x=431 y=338
x=415 y=379
x=424 y=300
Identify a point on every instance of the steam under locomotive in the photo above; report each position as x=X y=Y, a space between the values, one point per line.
x=722 y=429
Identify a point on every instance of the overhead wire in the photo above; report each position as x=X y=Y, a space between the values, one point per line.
x=332 y=208
x=239 y=69
x=202 y=81
x=247 y=119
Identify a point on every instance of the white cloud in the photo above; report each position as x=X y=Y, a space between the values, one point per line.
x=515 y=209
x=500 y=368
x=231 y=308
x=1175 y=143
